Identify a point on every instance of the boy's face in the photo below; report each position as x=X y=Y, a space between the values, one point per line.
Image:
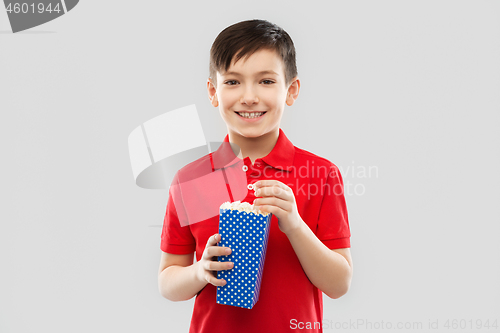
x=255 y=85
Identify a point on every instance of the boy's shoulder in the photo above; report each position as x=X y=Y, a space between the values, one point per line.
x=305 y=157
x=222 y=157
x=196 y=169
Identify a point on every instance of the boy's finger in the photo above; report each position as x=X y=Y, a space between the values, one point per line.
x=214 y=281
x=271 y=182
x=273 y=192
x=218 y=266
x=215 y=251
x=213 y=240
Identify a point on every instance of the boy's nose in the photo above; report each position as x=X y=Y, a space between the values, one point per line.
x=249 y=97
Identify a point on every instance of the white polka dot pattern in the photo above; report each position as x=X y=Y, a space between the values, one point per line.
x=246 y=234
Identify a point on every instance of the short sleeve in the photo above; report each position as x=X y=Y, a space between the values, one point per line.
x=333 y=224
x=175 y=238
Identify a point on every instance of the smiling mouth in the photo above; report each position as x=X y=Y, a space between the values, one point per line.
x=250 y=115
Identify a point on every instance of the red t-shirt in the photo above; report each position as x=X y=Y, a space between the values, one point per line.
x=286 y=295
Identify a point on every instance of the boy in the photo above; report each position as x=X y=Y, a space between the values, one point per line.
x=252 y=75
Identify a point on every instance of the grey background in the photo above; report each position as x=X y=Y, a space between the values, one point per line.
x=408 y=87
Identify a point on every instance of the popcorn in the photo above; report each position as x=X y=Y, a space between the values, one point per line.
x=242 y=206
x=244 y=229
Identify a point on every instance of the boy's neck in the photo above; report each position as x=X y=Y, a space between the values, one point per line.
x=255 y=148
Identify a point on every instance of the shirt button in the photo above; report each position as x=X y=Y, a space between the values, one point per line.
x=245 y=168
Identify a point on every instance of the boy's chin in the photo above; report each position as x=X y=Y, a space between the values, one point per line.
x=252 y=133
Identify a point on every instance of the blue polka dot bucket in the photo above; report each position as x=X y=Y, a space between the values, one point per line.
x=246 y=233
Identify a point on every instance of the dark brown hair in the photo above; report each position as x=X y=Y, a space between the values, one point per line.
x=247 y=37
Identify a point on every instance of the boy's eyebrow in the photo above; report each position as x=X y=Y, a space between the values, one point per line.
x=256 y=74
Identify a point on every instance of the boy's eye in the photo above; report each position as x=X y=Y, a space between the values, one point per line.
x=268 y=82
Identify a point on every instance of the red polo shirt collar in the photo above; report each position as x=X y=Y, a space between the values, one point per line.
x=281 y=157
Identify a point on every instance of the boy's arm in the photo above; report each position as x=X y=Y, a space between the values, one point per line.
x=179 y=279
x=329 y=270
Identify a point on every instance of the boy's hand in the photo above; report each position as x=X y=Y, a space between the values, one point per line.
x=208 y=264
x=278 y=199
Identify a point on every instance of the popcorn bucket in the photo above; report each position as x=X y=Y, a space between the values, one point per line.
x=245 y=230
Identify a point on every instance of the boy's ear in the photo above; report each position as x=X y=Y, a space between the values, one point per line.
x=293 y=91
x=212 y=93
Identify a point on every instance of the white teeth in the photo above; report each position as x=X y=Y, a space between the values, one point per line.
x=250 y=115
